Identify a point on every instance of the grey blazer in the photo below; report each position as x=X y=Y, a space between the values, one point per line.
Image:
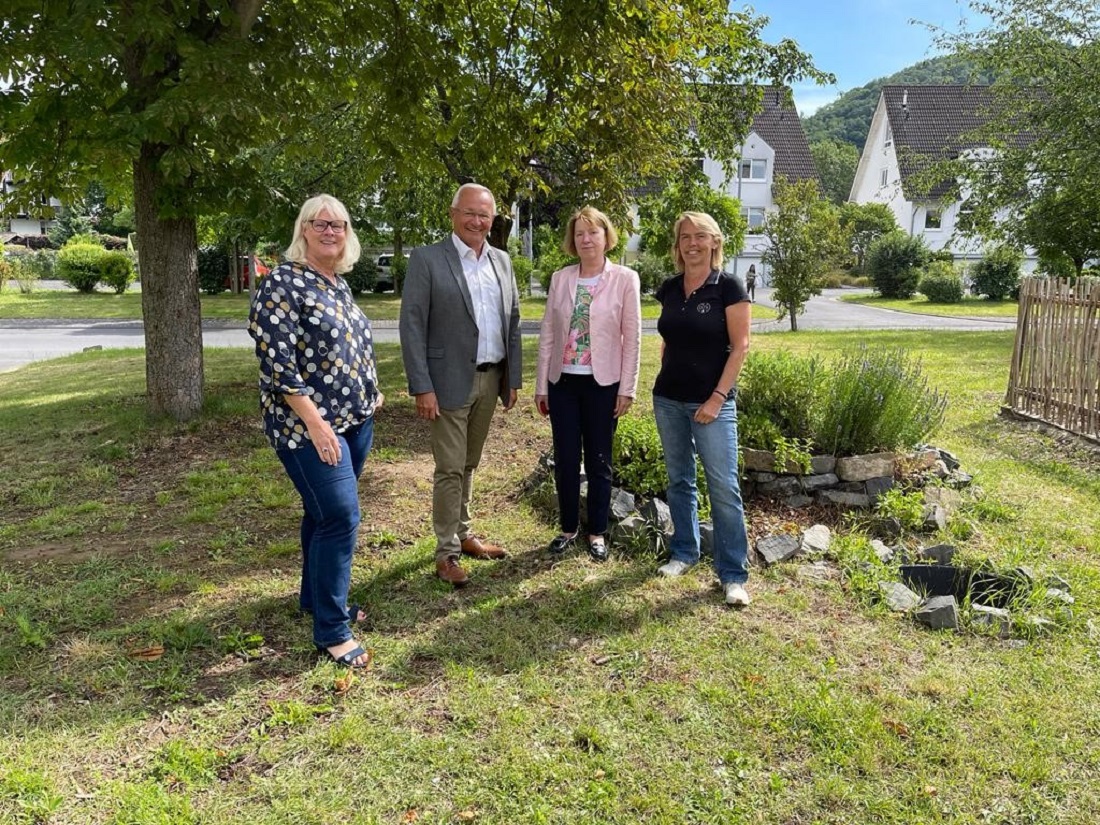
x=438 y=327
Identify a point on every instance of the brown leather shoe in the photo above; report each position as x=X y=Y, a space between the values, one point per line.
x=449 y=570
x=475 y=548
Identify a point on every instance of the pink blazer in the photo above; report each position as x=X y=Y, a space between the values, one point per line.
x=616 y=324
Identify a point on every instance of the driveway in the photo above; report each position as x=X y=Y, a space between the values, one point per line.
x=24 y=341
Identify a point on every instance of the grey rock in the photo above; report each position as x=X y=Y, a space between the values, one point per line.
x=945 y=497
x=1040 y=624
x=815 y=540
x=823 y=464
x=935 y=517
x=774 y=549
x=939 y=613
x=817 y=571
x=958 y=479
x=885 y=554
x=861 y=500
x=898 y=597
x=622 y=504
x=758 y=460
x=993 y=619
x=656 y=512
x=1028 y=575
x=763 y=478
x=877 y=486
x=939 y=553
x=949 y=459
x=799 y=501
x=923 y=459
x=706 y=539
x=939 y=470
x=852 y=487
x=889 y=527
x=1057 y=594
x=1054 y=580
x=863 y=467
x=630 y=531
x=819 y=482
x=782 y=486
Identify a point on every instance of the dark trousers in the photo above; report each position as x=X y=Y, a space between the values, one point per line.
x=582 y=417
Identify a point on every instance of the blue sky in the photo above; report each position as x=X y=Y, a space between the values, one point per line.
x=858 y=40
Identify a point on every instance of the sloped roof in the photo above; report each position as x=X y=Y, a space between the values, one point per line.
x=931 y=123
x=781 y=128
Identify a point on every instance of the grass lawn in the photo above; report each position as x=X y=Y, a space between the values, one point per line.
x=154 y=669
x=102 y=305
x=969 y=307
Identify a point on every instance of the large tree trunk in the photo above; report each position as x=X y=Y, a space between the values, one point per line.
x=168 y=250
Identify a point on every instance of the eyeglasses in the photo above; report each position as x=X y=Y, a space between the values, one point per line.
x=321 y=226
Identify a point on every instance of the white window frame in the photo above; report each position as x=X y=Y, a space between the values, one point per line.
x=754 y=165
x=884 y=177
x=931 y=215
x=748 y=213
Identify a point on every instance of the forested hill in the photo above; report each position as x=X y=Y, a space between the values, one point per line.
x=848 y=118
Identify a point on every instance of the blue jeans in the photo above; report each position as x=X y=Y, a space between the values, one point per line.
x=716 y=445
x=330 y=524
x=582 y=415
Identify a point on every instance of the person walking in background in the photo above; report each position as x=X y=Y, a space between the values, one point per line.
x=589 y=356
x=460 y=341
x=318 y=394
x=704 y=327
x=750 y=282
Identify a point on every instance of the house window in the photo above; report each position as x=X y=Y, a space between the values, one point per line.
x=754 y=215
x=889 y=137
x=882 y=176
x=932 y=219
x=752 y=169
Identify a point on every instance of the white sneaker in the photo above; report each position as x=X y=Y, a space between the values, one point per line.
x=737 y=595
x=673 y=568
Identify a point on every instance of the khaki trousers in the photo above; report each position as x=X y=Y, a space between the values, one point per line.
x=458 y=437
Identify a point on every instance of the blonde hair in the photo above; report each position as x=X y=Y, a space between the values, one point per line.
x=708 y=225
x=311 y=209
x=594 y=216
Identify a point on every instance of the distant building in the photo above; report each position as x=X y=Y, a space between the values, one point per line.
x=913 y=127
x=23 y=222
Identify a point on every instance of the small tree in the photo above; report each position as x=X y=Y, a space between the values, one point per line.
x=894 y=263
x=657 y=214
x=78 y=265
x=997 y=275
x=836 y=162
x=941 y=283
x=116 y=270
x=864 y=222
x=805 y=241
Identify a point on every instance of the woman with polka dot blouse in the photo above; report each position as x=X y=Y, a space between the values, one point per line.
x=318 y=395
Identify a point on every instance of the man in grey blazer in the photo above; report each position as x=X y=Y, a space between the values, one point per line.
x=460 y=341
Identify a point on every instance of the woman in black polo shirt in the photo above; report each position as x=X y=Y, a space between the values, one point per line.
x=704 y=326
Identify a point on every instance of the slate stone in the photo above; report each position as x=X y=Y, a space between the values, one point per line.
x=994 y=619
x=763 y=478
x=889 y=527
x=706 y=539
x=758 y=460
x=1054 y=580
x=1056 y=594
x=782 y=486
x=630 y=531
x=1040 y=625
x=823 y=464
x=939 y=470
x=819 y=482
x=939 y=553
x=622 y=504
x=898 y=597
x=656 y=512
x=1028 y=575
x=774 y=549
x=935 y=517
x=815 y=540
x=851 y=487
x=861 y=500
x=949 y=459
x=817 y=571
x=875 y=487
x=939 y=613
x=958 y=479
x=945 y=497
x=863 y=467
x=799 y=501
x=921 y=460
x=885 y=554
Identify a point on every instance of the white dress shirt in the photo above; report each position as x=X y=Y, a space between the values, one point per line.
x=487 y=299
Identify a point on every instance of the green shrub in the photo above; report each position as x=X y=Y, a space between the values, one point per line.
x=652 y=270
x=638 y=460
x=213 y=269
x=398 y=267
x=997 y=275
x=780 y=389
x=876 y=400
x=116 y=270
x=78 y=265
x=894 y=261
x=907 y=508
x=941 y=283
x=523 y=266
x=363 y=275
x=862 y=281
x=833 y=280
x=7 y=271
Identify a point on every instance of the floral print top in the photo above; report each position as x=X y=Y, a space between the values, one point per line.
x=312 y=339
x=577 y=357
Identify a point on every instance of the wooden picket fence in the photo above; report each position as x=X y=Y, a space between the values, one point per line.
x=1055 y=376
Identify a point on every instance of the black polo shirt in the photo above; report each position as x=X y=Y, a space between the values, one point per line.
x=697 y=341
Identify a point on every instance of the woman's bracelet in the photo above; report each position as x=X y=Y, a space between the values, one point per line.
x=725 y=395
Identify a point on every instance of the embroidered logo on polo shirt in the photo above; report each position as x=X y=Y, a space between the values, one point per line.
x=703 y=307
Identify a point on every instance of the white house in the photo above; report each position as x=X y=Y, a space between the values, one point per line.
x=19 y=221
x=912 y=127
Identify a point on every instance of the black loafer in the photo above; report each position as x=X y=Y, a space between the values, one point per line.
x=597 y=549
x=563 y=543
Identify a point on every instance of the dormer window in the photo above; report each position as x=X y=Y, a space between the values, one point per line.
x=750 y=169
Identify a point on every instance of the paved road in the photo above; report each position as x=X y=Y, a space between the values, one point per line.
x=24 y=341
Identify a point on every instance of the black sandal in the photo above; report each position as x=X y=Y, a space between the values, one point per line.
x=348 y=659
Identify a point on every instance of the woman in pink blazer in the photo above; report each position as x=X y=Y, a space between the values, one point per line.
x=589 y=351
